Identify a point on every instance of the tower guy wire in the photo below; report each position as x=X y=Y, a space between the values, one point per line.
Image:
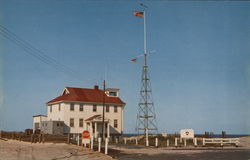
x=38 y=54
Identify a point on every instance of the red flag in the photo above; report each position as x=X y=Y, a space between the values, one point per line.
x=134 y=60
x=138 y=14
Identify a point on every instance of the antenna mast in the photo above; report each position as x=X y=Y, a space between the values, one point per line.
x=146 y=117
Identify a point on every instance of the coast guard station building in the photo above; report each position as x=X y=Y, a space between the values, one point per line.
x=78 y=109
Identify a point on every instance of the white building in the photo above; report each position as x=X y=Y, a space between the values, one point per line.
x=81 y=109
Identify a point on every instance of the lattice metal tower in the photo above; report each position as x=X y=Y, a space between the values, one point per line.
x=146 y=117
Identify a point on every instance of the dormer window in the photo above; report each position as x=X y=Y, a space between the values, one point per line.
x=113 y=94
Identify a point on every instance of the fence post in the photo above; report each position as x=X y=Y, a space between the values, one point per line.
x=106 y=146
x=167 y=142
x=69 y=138
x=78 y=140
x=156 y=142
x=92 y=142
x=125 y=140
x=221 y=143
x=175 y=142
x=195 y=142
x=136 y=141
x=203 y=142
x=43 y=138
x=99 y=144
x=31 y=138
x=185 y=142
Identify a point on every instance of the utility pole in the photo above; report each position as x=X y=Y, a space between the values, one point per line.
x=103 y=111
x=146 y=118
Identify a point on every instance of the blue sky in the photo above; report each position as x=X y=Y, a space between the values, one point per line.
x=200 y=73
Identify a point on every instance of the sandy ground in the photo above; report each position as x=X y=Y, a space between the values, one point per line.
x=15 y=150
x=130 y=152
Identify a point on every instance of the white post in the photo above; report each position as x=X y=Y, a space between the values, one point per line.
x=180 y=140
x=95 y=129
x=156 y=142
x=167 y=142
x=92 y=142
x=195 y=142
x=78 y=140
x=125 y=140
x=147 y=142
x=91 y=128
x=203 y=142
x=136 y=141
x=99 y=144
x=221 y=143
x=185 y=142
x=116 y=140
x=106 y=145
x=175 y=142
x=108 y=131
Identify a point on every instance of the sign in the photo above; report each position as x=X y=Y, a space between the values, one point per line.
x=85 y=134
x=187 y=133
x=85 y=137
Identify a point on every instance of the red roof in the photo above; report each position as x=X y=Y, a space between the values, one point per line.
x=86 y=95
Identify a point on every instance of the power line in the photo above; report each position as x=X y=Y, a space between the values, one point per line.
x=31 y=50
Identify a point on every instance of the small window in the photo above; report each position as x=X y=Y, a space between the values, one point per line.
x=57 y=124
x=80 y=122
x=115 y=109
x=59 y=107
x=113 y=94
x=71 y=122
x=107 y=108
x=50 y=108
x=71 y=106
x=81 y=107
x=115 y=123
x=94 y=108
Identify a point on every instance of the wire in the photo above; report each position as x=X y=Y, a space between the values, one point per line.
x=31 y=50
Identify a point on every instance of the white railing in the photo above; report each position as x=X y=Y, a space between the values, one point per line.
x=220 y=141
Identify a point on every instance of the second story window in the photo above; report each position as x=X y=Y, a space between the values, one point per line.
x=71 y=122
x=81 y=107
x=94 y=108
x=115 y=109
x=50 y=107
x=80 y=122
x=71 y=106
x=107 y=108
x=115 y=123
x=59 y=107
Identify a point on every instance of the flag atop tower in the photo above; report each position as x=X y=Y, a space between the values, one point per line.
x=138 y=14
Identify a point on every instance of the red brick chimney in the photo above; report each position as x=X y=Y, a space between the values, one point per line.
x=96 y=87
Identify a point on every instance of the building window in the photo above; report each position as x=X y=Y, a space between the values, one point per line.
x=80 y=122
x=57 y=124
x=71 y=123
x=81 y=107
x=50 y=107
x=107 y=108
x=71 y=106
x=115 y=123
x=114 y=94
x=115 y=109
x=94 y=108
x=59 y=107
